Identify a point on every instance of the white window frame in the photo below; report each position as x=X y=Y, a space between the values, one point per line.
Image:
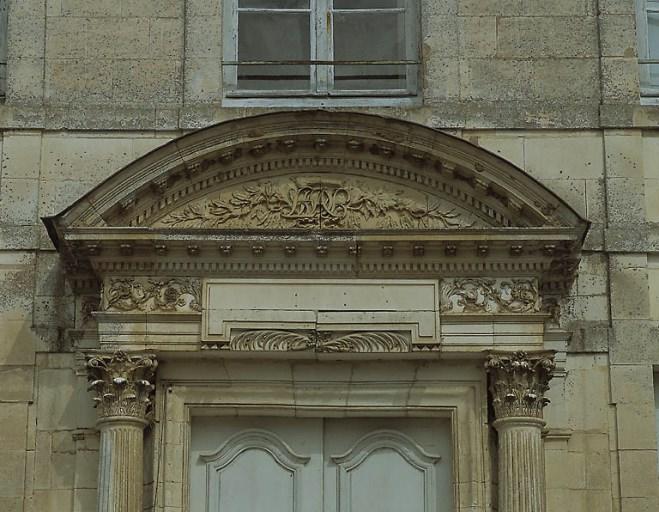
x=643 y=7
x=321 y=93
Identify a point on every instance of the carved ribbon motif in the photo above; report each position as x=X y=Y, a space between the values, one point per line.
x=275 y=341
x=518 y=383
x=310 y=203
x=153 y=295
x=490 y=296
x=122 y=383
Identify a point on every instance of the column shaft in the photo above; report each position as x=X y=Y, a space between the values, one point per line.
x=521 y=466
x=518 y=382
x=123 y=389
x=120 y=477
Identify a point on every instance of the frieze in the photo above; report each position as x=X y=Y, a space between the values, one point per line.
x=490 y=296
x=315 y=341
x=309 y=202
x=150 y=295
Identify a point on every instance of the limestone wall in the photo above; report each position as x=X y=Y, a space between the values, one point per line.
x=156 y=64
x=552 y=86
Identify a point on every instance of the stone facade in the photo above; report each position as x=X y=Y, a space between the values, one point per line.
x=551 y=87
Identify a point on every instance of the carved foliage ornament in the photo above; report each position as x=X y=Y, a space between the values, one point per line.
x=518 y=383
x=490 y=296
x=312 y=203
x=153 y=295
x=122 y=384
x=276 y=341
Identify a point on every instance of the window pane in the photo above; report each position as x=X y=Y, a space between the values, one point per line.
x=368 y=4
x=369 y=37
x=273 y=37
x=653 y=46
x=274 y=4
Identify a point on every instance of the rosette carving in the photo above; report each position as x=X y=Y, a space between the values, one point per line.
x=518 y=383
x=122 y=384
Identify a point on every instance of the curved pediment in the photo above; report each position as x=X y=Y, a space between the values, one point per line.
x=318 y=170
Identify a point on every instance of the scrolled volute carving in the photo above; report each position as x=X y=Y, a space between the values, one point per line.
x=518 y=382
x=122 y=384
x=328 y=342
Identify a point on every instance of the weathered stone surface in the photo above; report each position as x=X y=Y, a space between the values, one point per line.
x=618 y=35
x=620 y=79
x=528 y=37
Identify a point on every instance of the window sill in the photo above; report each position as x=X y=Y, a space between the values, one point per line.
x=308 y=102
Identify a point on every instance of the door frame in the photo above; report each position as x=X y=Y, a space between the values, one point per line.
x=348 y=388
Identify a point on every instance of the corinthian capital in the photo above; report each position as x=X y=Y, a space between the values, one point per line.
x=518 y=382
x=122 y=383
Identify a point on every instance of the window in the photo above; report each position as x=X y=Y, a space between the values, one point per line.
x=3 y=47
x=321 y=49
x=648 y=34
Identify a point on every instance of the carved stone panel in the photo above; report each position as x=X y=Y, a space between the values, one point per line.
x=146 y=295
x=317 y=202
x=491 y=296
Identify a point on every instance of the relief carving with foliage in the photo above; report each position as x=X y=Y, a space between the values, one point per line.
x=490 y=296
x=276 y=341
x=314 y=203
x=147 y=295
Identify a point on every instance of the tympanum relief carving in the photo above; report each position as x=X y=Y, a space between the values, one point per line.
x=490 y=296
x=315 y=202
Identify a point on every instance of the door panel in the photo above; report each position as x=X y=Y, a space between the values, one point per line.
x=388 y=465
x=312 y=465
x=255 y=464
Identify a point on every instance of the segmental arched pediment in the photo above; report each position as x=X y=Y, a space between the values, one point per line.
x=352 y=171
x=323 y=195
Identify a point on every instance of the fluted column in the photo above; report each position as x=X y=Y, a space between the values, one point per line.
x=518 y=382
x=123 y=387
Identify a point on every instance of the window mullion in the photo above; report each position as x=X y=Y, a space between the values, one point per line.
x=323 y=44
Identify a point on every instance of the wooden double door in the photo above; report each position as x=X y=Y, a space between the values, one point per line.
x=276 y=464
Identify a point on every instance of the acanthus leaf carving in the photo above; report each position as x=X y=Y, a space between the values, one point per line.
x=122 y=383
x=490 y=296
x=270 y=341
x=276 y=341
x=314 y=203
x=147 y=295
x=518 y=383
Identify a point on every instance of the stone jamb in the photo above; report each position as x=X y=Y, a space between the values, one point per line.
x=461 y=401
